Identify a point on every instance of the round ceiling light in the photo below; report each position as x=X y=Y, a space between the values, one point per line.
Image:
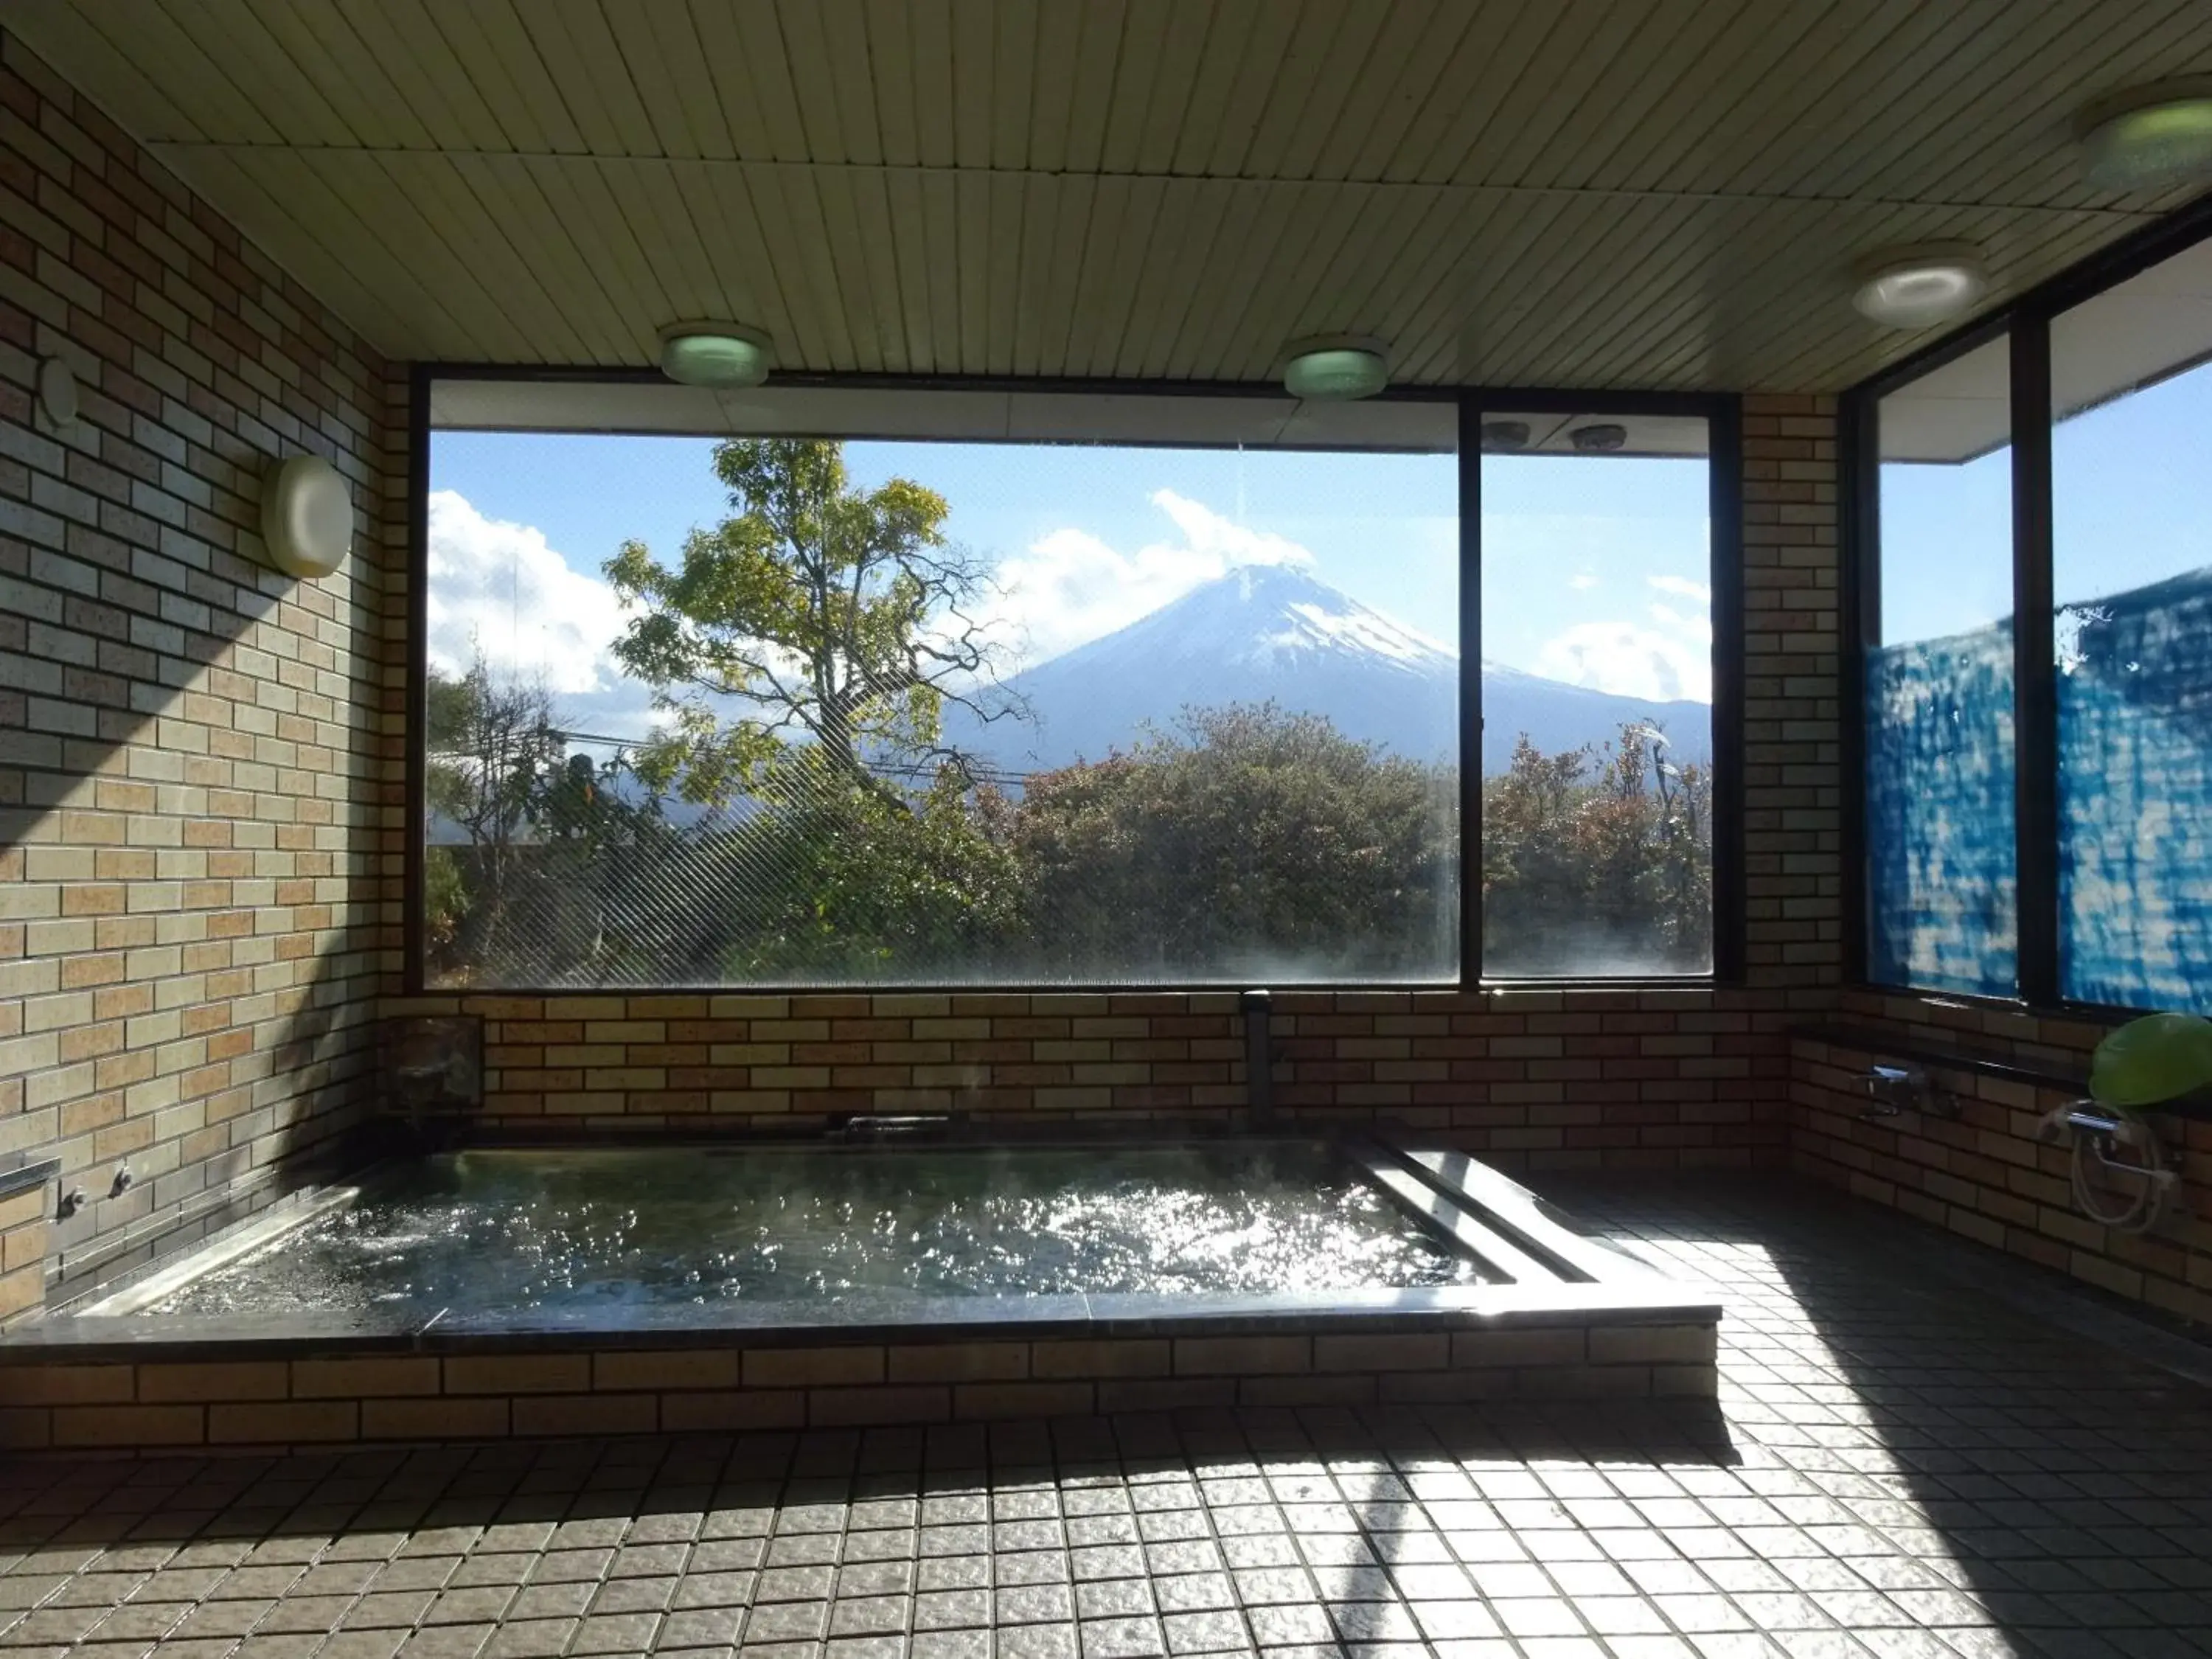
x=1504 y=437
x=717 y=354
x=1601 y=438
x=2150 y=138
x=1921 y=287
x=1335 y=369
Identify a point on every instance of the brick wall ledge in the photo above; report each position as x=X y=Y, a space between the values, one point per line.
x=918 y=1321
x=1878 y=1043
x=28 y=1176
x=141 y=1403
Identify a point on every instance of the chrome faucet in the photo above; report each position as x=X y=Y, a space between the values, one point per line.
x=1895 y=1090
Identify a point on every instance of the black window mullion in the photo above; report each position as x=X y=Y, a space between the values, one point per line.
x=1860 y=630
x=1724 y=470
x=414 y=719
x=2035 y=714
x=1470 y=693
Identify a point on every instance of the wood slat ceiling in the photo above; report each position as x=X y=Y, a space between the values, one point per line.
x=1667 y=193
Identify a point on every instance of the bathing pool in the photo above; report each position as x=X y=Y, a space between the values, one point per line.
x=537 y=1232
x=733 y=1286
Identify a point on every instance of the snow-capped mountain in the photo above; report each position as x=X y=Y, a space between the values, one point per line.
x=1272 y=631
x=1558 y=717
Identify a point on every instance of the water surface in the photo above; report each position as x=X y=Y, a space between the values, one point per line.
x=568 y=1232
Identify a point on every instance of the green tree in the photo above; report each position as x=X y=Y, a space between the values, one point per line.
x=864 y=883
x=1598 y=860
x=1252 y=843
x=804 y=651
x=534 y=876
x=494 y=754
x=838 y=622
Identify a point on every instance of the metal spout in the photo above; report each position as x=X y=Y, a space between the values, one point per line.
x=1259 y=1058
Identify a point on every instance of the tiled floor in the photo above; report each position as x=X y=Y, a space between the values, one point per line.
x=1905 y=1465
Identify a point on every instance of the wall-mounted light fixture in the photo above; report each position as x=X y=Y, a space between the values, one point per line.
x=306 y=516
x=56 y=395
x=722 y=355
x=2149 y=138
x=1920 y=286
x=1334 y=368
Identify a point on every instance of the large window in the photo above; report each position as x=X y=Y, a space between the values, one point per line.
x=2038 y=649
x=2131 y=578
x=1598 y=799
x=1938 y=676
x=1079 y=690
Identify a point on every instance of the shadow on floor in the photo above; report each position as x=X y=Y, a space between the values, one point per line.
x=1904 y=1467
x=1954 y=1409
x=104 y=1502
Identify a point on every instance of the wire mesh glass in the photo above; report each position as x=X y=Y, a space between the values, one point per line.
x=780 y=713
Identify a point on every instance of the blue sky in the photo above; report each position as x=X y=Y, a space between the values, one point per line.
x=1596 y=567
x=2131 y=502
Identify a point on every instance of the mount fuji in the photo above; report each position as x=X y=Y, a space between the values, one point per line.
x=1276 y=632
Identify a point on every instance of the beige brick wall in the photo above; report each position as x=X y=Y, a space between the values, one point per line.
x=1573 y=1079
x=1985 y=1175
x=189 y=775
x=306 y=1401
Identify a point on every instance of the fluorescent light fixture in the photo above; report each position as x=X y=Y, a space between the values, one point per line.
x=1921 y=287
x=1335 y=369
x=2151 y=138
x=719 y=355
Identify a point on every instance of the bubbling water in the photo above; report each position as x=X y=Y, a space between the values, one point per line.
x=555 y=1232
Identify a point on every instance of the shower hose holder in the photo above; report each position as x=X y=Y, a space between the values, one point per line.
x=2123 y=1176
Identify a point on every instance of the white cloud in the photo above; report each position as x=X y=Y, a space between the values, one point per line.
x=1666 y=658
x=1210 y=533
x=1069 y=586
x=1630 y=660
x=1682 y=587
x=1582 y=581
x=501 y=587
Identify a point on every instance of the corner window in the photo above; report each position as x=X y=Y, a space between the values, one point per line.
x=2037 y=783
x=2131 y=578
x=1940 y=881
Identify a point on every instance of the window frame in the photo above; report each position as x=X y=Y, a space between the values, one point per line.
x=2026 y=321
x=1722 y=412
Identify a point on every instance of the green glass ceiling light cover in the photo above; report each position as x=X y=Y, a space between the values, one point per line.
x=2152 y=1060
x=722 y=355
x=1335 y=369
x=2152 y=139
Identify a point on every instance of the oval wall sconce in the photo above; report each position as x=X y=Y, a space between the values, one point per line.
x=56 y=395
x=306 y=517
